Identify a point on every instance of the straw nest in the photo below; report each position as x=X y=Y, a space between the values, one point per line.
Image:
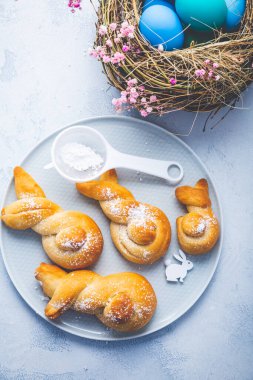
x=153 y=69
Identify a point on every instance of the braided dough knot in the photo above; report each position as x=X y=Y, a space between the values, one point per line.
x=197 y=231
x=140 y=232
x=70 y=238
x=122 y=301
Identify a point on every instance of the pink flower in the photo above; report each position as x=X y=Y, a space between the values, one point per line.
x=215 y=65
x=173 y=81
x=114 y=101
x=123 y=99
x=210 y=74
x=93 y=53
x=109 y=43
x=207 y=61
x=106 y=59
x=143 y=113
x=135 y=95
x=127 y=30
x=132 y=82
x=100 y=51
x=124 y=24
x=128 y=98
x=200 y=73
x=117 y=40
x=113 y=26
x=101 y=54
x=217 y=77
x=125 y=48
x=102 y=30
x=153 y=98
x=74 y=3
x=99 y=48
x=117 y=103
x=118 y=57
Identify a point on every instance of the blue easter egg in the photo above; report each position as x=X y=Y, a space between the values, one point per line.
x=148 y=3
x=202 y=15
x=159 y=24
x=236 y=9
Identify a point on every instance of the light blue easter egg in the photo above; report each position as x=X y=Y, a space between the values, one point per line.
x=236 y=10
x=159 y=24
x=148 y=3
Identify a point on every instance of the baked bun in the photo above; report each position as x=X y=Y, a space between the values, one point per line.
x=197 y=231
x=70 y=238
x=122 y=301
x=140 y=232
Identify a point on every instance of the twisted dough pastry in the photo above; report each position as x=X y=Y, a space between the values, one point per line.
x=70 y=238
x=199 y=230
x=140 y=232
x=122 y=301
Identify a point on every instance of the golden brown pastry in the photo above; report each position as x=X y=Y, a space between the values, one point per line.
x=197 y=231
x=70 y=238
x=122 y=301
x=140 y=232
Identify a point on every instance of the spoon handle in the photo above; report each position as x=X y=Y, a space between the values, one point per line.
x=156 y=168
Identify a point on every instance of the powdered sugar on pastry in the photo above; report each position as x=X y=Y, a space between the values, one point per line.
x=141 y=215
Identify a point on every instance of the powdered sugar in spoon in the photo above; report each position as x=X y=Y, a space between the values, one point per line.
x=111 y=158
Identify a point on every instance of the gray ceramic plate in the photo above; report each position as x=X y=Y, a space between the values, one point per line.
x=22 y=250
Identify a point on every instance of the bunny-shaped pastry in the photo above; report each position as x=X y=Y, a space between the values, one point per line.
x=198 y=230
x=140 y=232
x=70 y=238
x=121 y=301
x=177 y=271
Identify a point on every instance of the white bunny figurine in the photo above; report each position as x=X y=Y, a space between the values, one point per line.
x=177 y=271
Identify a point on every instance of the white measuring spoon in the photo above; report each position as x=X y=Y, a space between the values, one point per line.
x=112 y=158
